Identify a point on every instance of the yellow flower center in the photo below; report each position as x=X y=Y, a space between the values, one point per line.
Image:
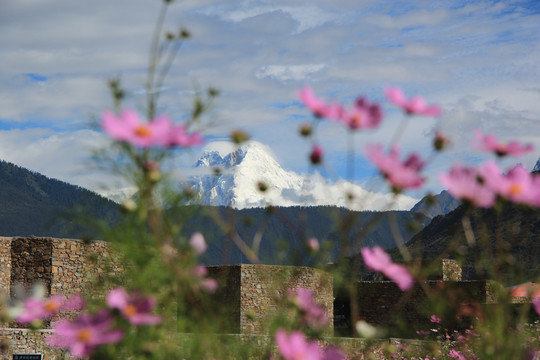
x=51 y=306
x=356 y=120
x=130 y=310
x=143 y=131
x=84 y=335
x=515 y=189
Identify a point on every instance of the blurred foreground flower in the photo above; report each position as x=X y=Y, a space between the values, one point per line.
x=467 y=184
x=377 y=259
x=489 y=142
x=318 y=106
x=295 y=346
x=38 y=307
x=400 y=174
x=160 y=131
x=134 y=307
x=197 y=243
x=414 y=106
x=313 y=314
x=85 y=333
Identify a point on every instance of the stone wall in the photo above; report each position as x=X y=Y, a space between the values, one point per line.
x=25 y=341
x=5 y=266
x=253 y=292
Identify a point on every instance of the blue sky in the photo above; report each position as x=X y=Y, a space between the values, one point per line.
x=480 y=60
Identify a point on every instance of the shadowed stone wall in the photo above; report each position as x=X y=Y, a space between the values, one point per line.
x=252 y=292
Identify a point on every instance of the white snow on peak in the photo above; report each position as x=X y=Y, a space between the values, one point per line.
x=240 y=172
x=537 y=166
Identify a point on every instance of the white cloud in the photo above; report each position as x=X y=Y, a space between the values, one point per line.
x=288 y=72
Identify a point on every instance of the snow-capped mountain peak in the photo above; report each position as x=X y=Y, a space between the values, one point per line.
x=537 y=166
x=236 y=184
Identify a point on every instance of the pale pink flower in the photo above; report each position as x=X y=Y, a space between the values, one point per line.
x=134 y=307
x=415 y=105
x=318 y=106
x=468 y=184
x=536 y=305
x=207 y=284
x=363 y=115
x=128 y=127
x=295 y=346
x=435 y=319
x=197 y=243
x=313 y=314
x=377 y=259
x=400 y=174
x=83 y=335
x=489 y=142
x=180 y=137
x=313 y=244
x=518 y=185
x=35 y=309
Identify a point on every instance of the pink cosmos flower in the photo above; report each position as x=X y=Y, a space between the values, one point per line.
x=468 y=184
x=295 y=346
x=35 y=309
x=180 y=137
x=313 y=314
x=435 y=319
x=536 y=305
x=489 y=142
x=363 y=115
x=400 y=174
x=377 y=259
x=83 y=335
x=415 y=105
x=197 y=243
x=318 y=106
x=134 y=307
x=518 y=185
x=128 y=127
x=313 y=244
x=207 y=284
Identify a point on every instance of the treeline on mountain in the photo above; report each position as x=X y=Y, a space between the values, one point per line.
x=282 y=232
x=33 y=204
x=508 y=235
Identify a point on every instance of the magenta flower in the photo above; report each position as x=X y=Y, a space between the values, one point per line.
x=518 y=185
x=435 y=319
x=536 y=304
x=197 y=243
x=134 y=307
x=363 y=115
x=295 y=346
x=35 y=309
x=83 y=335
x=319 y=107
x=128 y=127
x=377 y=259
x=468 y=184
x=180 y=137
x=489 y=142
x=400 y=174
x=313 y=314
x=415 y=105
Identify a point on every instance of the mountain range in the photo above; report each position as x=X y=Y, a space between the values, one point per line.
x=235 y=179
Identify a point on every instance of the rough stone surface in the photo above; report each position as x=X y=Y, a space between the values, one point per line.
x=253 y=292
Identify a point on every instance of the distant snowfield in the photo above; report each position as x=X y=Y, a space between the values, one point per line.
x=242 y=170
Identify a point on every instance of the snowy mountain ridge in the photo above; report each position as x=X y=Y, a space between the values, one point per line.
x=237 y=175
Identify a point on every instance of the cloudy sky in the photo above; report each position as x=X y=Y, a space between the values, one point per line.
x=480 y=60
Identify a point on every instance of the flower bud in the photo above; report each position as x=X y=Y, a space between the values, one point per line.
x=239 y=136
x=316 y=155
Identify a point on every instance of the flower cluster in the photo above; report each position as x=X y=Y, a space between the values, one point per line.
x=400 y=174
x=160 y=132
x=377 y=259
x=88 y=331
x=481 y=186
